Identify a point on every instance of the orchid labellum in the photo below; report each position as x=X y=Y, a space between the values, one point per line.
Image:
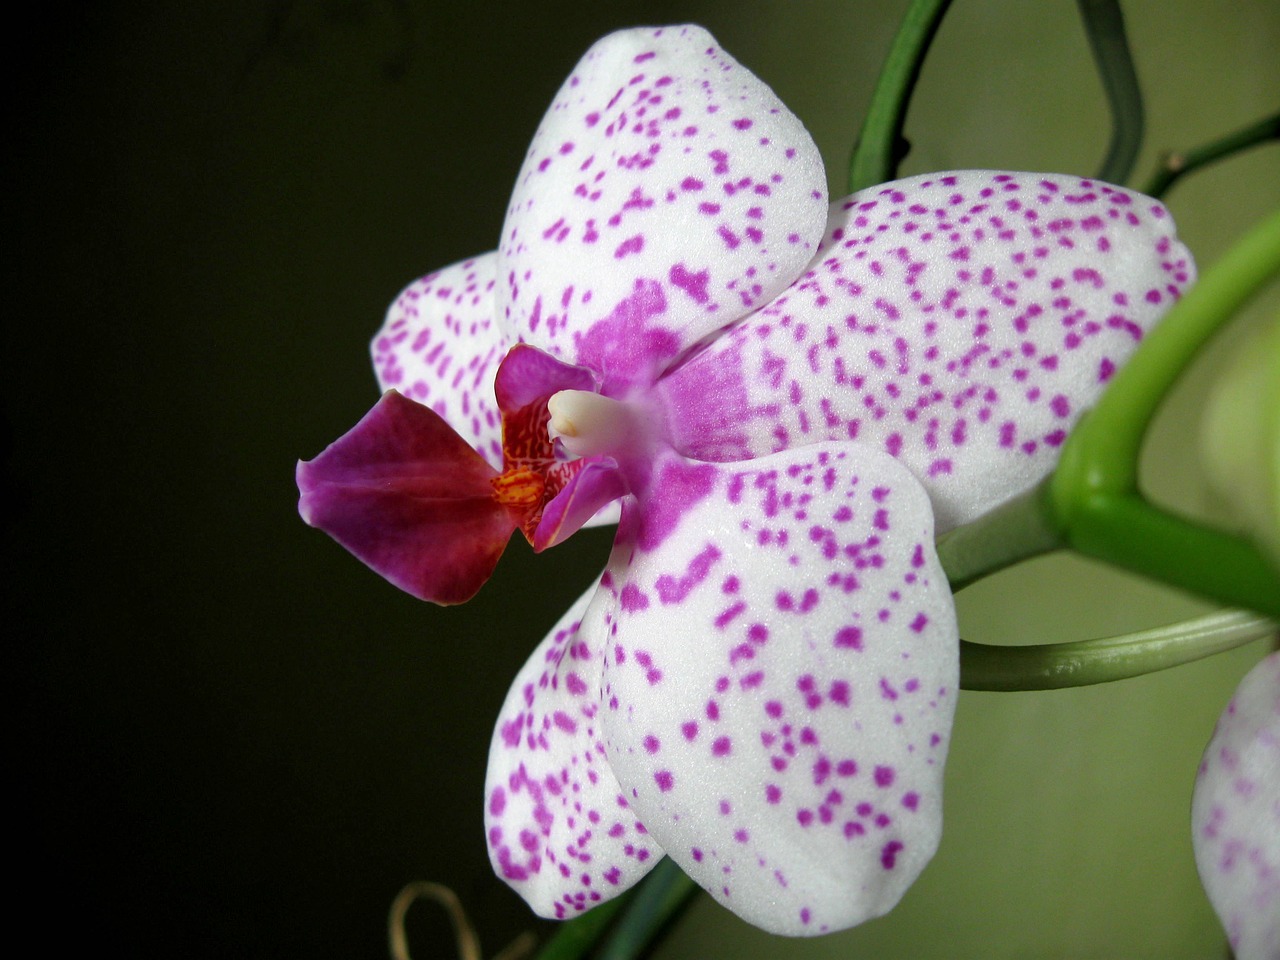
x=784 y=401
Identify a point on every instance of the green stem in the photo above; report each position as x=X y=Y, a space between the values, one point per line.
x=1053 y=666
x=1127 y=531
x=1094 y=492
x=1107 y=441
x=1104 y=26
x=880 y=145
x=1175 y=166
x=642 y=914
x=664 y=893
x=1015 y=531
x=576 y=938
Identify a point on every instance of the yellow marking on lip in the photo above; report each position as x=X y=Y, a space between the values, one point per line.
x=519 y=487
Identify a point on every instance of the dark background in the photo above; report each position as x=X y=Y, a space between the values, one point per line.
x=228 y=738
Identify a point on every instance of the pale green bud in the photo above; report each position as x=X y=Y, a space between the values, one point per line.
x=1240 y=441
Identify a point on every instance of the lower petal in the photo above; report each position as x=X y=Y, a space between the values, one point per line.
x=780 y=689
x=1235 y=815
x=559 y=830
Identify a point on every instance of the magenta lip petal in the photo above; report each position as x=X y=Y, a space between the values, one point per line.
x=594 y=486
x=528 y=375
x=409 y=498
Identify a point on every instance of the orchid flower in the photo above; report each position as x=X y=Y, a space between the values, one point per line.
x=788 y=400
x=1235 y=815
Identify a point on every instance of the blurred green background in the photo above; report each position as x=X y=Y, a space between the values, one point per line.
x=229 y=739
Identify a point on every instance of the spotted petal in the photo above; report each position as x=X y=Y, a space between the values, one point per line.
x=441 y=346
x=1235 y=815
x=559 y=829
x=667 y=192
x=779 y=693
x=962 y=322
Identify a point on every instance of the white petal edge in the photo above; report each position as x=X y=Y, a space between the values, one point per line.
x=557 y=828
x=440 y=345
x=1235 y=815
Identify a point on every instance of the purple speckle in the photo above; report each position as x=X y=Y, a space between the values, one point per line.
x=849 y=638
x=630 y=245
x=889 y=854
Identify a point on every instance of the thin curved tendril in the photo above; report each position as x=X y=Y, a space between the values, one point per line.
x=880 y=145
x=1177 y=165
x=1104 y=26
x=1053 y=666
x=464 y=933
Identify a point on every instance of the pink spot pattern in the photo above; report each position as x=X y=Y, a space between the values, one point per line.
x=777 y=773
x=1235 y=815
x=441 y=346
x=665 y=128
x=557 y=823
x=961 y=321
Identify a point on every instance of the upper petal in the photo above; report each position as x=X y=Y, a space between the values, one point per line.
x=962 y=322
x=1235 y=815
x=667 y=192
x=440 y=345
x=559 y=830
x=779 y=693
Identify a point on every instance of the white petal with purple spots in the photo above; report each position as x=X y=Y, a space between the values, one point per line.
x=441 y=346
x=667 y=192
x=558 y=826
x=1235 y=815
x=960 y=321
x=780 y=686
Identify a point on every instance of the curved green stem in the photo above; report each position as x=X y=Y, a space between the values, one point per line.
x=576 y=938
x=1053 y=666
x=1094 y=491
x=641 y=916
x=1127 y=531
x=664 y=893
x=1102 y=452
x=1104 y=26
x=1018 y=530
x=1175 y=166
x=880 y=145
